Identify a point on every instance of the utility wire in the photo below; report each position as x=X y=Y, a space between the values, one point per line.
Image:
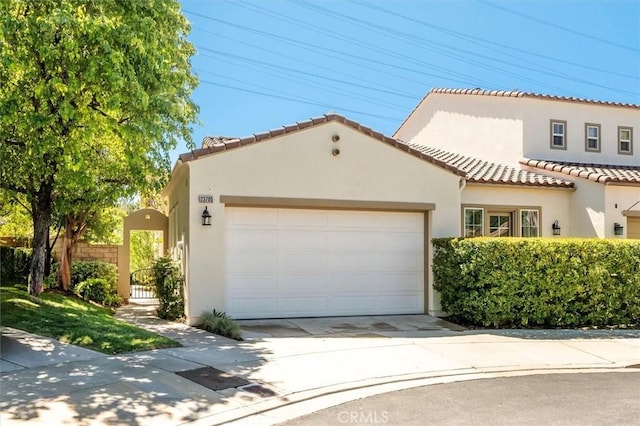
x=299 y=100
x=484 y=42
x=559 y=27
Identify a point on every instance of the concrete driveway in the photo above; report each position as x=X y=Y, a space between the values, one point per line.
x=355 y=326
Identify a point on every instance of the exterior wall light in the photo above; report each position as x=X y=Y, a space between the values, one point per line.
x=556 y=228
x=618 y=229
x=206 y=217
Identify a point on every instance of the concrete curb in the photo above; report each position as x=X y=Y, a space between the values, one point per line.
x=298 y=404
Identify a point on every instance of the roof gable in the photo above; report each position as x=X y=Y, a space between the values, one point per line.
x=214 y=145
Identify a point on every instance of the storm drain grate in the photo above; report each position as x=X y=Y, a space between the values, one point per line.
x=213 y=378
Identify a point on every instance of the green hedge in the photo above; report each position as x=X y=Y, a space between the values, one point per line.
x=14 y=264
x=539 y=282
x=168 y=288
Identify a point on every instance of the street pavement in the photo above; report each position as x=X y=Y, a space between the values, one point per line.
x=300 y=367
x=544 y=399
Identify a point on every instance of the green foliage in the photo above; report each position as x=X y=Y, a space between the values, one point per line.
x=15 y=220
x=169 y=289
x=539 y=282
x=94 y=95
x=72 y=320
x=98 y=290
x=14 y=263
x=143 y=249
x=85 y=270
x=221 y=324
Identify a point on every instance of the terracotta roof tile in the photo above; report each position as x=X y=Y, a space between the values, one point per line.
x=601 y=173
x=520 y=94
x=480 y=171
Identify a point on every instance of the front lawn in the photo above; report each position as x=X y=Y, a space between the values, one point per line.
x=72 y=320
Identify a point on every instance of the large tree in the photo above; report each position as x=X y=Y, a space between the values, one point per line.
x=93 y=95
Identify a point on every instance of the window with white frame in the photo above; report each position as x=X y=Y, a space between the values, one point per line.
x=592 y=137
x=558 y=134
x=473 y=222
x=501 y=221
x=625 y=140
x=529 y=223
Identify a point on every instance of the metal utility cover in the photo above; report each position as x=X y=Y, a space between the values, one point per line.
x=213 y=378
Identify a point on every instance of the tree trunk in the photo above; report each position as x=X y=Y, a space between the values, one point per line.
x=42 y=208
x=74 y=227
x=66 y=254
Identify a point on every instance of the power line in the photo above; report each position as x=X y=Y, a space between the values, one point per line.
x=484 y=42
x=559 y=27
x=299 y=100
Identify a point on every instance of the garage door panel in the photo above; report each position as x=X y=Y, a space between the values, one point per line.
x=252 y=262
x=302 y=240
x=256 y=307
x=303 y=306
x=246 y=284
x=300 y=262
x=302 y=283
x=350 y=262
x=324 y=262
x=252 y=217
x=397 y=221
x=399 y=282
x=302 y=218
x=349 y=241
x=398 y=262
x=398 y=241
x=252 y=239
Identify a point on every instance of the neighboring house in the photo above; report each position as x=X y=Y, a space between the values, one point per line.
x=327 y=217
x=590 y=143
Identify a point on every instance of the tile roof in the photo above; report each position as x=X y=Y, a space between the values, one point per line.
x=519 y=94
x=212 y=145
x=485 y=172
x=601 y=173
x=511 y=94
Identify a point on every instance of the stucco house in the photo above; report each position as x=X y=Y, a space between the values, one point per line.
x=589 y=143
x=327 y=217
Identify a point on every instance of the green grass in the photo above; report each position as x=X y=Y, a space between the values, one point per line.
x=72 y=320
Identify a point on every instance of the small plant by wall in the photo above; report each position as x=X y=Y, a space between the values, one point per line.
x=221 y=324
x=169 y=289
x=539 y=282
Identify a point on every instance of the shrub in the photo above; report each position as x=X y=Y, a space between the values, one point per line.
x=168 y=288
x=83 y=270
x=221 y=324
x=539 y=282
x=98 y=290
x=15 y=263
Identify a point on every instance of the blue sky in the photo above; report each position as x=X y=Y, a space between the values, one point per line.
x=264 y=64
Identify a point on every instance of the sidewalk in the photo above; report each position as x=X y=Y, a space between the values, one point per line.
x=294 y=375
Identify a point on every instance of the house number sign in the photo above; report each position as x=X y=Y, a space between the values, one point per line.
x=207 y=198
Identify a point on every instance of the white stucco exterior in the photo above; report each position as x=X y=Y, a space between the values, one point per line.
x=505 y=129
x=299 y=165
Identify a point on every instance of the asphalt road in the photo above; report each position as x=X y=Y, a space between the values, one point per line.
x=546 y=399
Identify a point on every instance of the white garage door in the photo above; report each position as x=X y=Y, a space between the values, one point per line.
x=292 y=263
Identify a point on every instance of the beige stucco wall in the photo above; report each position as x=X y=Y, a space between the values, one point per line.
x=537 y=114
x=483 y=127
x=617 y=200
x=553 y=203
x=301 y=165
x=504 y=129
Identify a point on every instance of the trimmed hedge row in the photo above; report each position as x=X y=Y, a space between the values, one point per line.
x=539 y=282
